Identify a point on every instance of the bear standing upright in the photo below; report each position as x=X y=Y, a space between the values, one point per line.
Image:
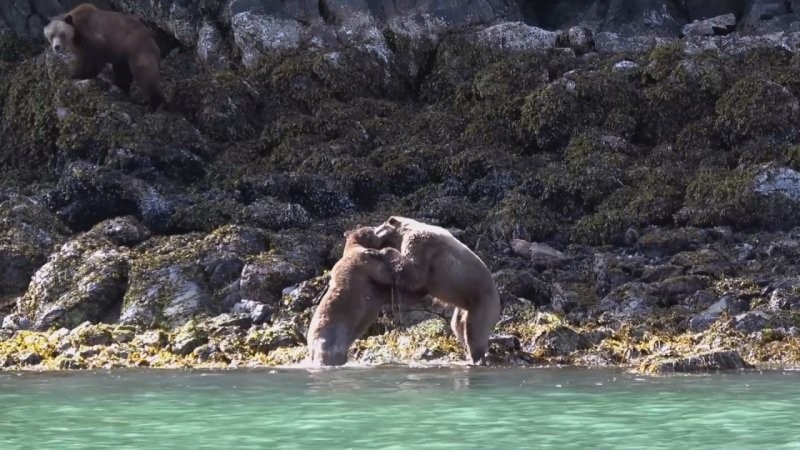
x=97 y=37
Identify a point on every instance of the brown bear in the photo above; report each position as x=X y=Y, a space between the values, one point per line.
x=97 y=37
x=434 y=261
x=361 y=283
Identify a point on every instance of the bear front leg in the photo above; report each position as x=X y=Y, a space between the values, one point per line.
x=85 y=68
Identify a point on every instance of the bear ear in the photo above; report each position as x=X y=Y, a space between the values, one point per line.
x=68 y=19
x=393 y=221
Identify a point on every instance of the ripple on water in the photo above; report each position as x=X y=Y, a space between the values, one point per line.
x=399 y=407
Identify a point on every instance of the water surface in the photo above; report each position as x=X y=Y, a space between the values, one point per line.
x=459 y=407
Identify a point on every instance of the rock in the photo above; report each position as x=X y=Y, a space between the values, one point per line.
x=88 y=334
x=704 y=9
x=29 y=359
x=274 y=215
x=709 y=27
x=280 y=334
x=785 y=297
x=625 y=66
x=87 y=194
x=752 y=322
x=505 y=343
x=522 y=284
x=176 y=278
x=761 y=11
x=539 y=254
x=188 y=338
x=780 y=181
x=569 y=295
x=211 y=48
x=703 y=321
x=152 y=338
x=257 y=312
x=16 y=321
x=83 y=281
x=664 y=242
x=560 y=341
x=703 y=362
x=580 y=40
x=703 y=262
x=68 y=362
x=122 y=334
x=28 y=233
x=125 y=231
x=729 y=304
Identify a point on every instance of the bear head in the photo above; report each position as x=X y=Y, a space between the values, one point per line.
x=60 y=33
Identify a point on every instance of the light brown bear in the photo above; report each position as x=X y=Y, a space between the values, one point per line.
x=361 y=283
x=434 y=261
x=97 y=37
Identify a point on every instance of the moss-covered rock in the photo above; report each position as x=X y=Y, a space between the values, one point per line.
x=755 y=107
x=83 y=281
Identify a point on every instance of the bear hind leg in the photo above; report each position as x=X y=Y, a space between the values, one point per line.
x=458 y=325
x=122 y=76
x=480 y=321
x=146 y=73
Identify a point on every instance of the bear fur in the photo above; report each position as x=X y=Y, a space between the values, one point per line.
x=97 y=37
x=432 y=260
x=361 y=283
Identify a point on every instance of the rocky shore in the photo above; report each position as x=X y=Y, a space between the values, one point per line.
x=631 y=176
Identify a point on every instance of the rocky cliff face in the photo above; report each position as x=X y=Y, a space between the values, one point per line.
x=630 y=176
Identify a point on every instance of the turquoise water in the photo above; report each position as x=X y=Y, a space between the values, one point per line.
x=398 y=408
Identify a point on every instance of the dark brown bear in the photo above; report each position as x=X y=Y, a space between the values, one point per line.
x=98 y=37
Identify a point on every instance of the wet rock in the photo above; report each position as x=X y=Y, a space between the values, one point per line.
x=541 y=255
x=505 y=343
x=703 y=362
x=124 y=231
x=307 y=294
x=632 y=299
x=280 y=334
x=264 y=278
x=68 y=362
x=151 y=338
x=29 y=359
x=664 y=242
x=16 y=321
x=705 y=9
x=175 y=278
x=188 y=338
x=569 y=295
x=88 y=334
x=211 y=47
x=589 y=339
x=122 y=334
x=703 y=321
x=84 y=280
x=729 y=304
x=703 y=262
x=752 y=322
x=560 y=341
x=257 y=312
x=672 y=290
x=522 y=284
x=87 y=194
x=718 y=25
x=785 y=297
x=778 y=181
x=28 y=233
x=625 y=66
x=274 y=215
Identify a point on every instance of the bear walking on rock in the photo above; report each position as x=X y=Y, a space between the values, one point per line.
x=434 y=261
x=97 y=37
x=361 y=283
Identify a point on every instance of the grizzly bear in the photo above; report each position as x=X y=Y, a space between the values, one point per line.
x=361 y=283
x=434 y=261
x=97 y=37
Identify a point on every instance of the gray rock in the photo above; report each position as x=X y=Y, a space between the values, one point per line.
x=211 y=48
x=539 y=254
x=580 y=39
x=781 y=181
x=607 y=42
x=703 y=321
x=83 y=281
x=625 y=66
x=729 y=304
x=703 y=362
x=752 y=321
x=569 y=295
x=709 y=27
x=274 y=215
x=522 y=284
x=560 y=341
x=705 y=9
x=29 y=359
x=258 y=312
x=28 y=233
x=126 y=231
x=505 y=343
x=16 y=321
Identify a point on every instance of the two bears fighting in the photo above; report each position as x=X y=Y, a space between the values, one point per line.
x=414 y=259
x=97 y=37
